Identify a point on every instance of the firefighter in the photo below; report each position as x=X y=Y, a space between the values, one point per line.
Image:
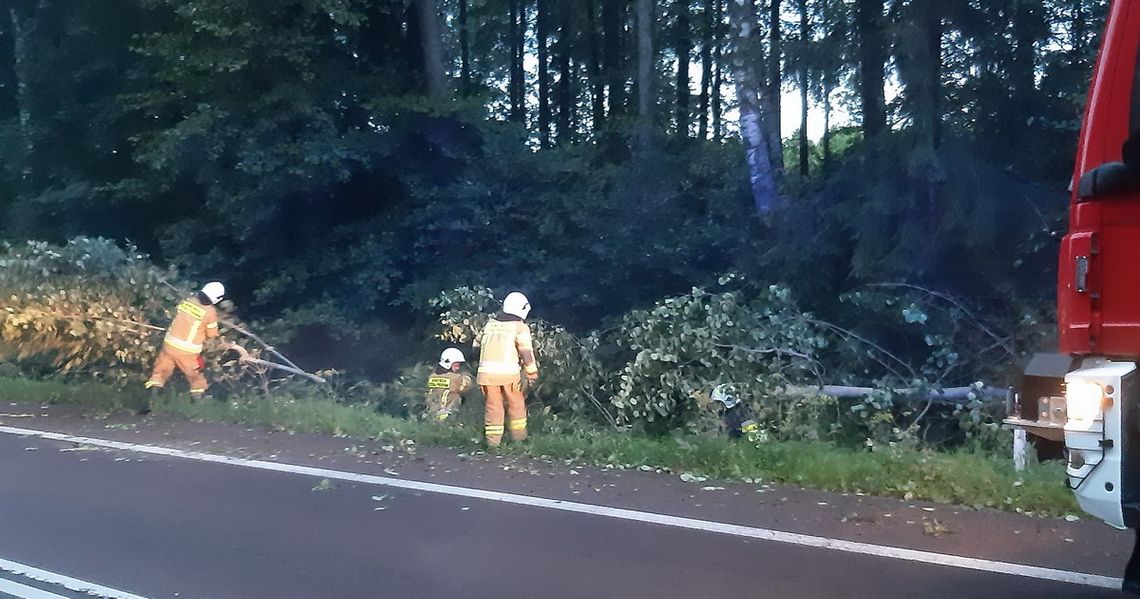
x=738 y=420
x=506 y=348
x=447 y=384
x=195 y=320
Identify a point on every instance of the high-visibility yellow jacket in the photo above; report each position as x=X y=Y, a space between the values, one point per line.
x=445 y=388
x=506 y=347
x=193 y=324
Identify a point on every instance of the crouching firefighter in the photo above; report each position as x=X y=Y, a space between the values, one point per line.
x=447 y=384
x=195 y=320
x=738 y=420
x=506 y=347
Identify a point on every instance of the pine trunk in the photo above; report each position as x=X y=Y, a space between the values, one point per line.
x=543 y=34
x=869 y=23
x=684 y=50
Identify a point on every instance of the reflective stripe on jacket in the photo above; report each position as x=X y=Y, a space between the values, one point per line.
x=193 y=324
x=506 y=347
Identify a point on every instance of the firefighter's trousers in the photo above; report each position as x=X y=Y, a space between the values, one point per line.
x=515 y=401
x=169 y=359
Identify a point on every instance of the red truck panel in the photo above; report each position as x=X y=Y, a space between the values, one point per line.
x=1098 y=292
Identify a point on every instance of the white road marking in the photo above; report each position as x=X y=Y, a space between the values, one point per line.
x=24 y=591
x=67 y=582
x=750 y=532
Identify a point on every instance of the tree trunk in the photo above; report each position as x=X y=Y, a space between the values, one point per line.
x=934 y=30
x=645 y=60
x=869 y=23
x=431 y=38
x=772 y=100
x=565 y=76
x=464 y=51
x=598 y=87
x=718 y=76
x=805 y=40
x=744 y=46
x=23 y=27
x=706 y=68
x=543 y=34
x=518 y=74
x=921 y=71
x=612 y=13
x=684 y=47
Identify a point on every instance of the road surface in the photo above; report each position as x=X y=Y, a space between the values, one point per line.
x=147 y=525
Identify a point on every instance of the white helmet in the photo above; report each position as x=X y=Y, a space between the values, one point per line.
x=451 y=356
x=516 y=304
x=726 y=394
x=214 y=291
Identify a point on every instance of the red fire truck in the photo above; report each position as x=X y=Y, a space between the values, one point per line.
x=1088 y=395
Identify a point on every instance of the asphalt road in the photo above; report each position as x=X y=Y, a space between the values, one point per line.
x=166 y=527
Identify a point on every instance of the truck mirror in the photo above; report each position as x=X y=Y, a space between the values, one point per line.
x=1108 y=179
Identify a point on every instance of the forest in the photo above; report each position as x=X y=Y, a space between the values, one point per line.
x=359 y=171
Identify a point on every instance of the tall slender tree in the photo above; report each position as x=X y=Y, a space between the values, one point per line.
x=872 y=66
x=431 y=38
x=613 y=13
x=565 y=74
x=645 y=61
x=542 y=27
x=746 y=51
x=684 y=49
x=709 y=39
x=805 y=43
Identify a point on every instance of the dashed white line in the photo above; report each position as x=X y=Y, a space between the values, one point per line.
x=67 y=582
x=750 y=532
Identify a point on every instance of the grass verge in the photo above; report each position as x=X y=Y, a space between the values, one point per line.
x=964 y=478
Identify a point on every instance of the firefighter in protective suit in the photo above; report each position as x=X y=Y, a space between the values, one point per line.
x=447 y=384
x=506 y=348
x=738 y=419
x=195 y=320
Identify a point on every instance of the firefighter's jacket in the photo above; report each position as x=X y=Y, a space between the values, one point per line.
x=193 y=324
x=506 y=347
x=444 y=390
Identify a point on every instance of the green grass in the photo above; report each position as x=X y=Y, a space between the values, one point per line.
x=965 y=478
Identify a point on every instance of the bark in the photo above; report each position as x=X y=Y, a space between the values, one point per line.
x=707 y=44
x=869 y=23
x=543 y=34
x=645 y=60
x=684 y=47
x=431 y=39
x=744 y=45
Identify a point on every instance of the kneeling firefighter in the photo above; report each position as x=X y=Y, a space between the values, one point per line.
x=505 y=347
x=195 y=320
x=738 y=420
x=447 y=384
